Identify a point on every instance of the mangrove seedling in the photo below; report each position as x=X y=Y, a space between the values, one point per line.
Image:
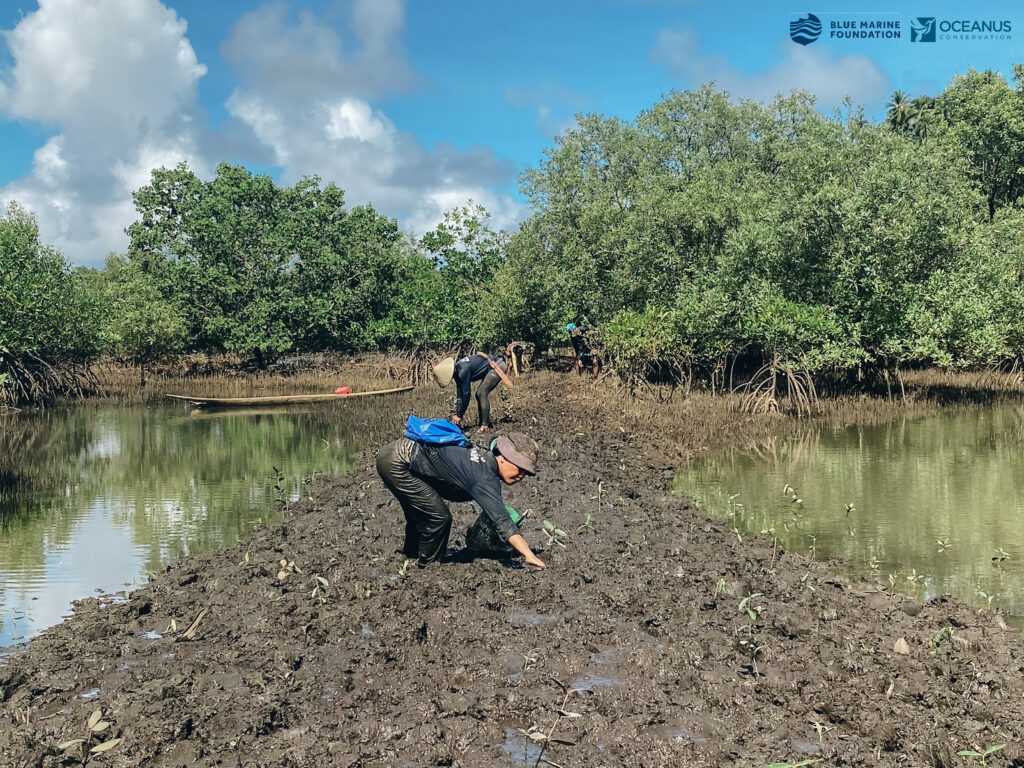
x=792 y=765
x=555 y=535
x=946 y=633
x=850 y=508
x=944 y=544
x=587 y=524
x=534 y=733
x=319 y=585
x=745 y=605
x=719 y=587
x=981 y=757
x=987 y=597
x=287 y=566
x=1000 y=555
x=94 y=727
x=403 y=569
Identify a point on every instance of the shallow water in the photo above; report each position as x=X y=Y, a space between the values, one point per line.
x=94 y=499
x=937 y=503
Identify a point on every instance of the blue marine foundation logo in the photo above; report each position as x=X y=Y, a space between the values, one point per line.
x=922 y=29
x=805 y=31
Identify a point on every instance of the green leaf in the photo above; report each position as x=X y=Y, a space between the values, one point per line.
x=105 y=746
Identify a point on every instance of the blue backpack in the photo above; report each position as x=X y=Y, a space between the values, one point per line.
x=434 y=432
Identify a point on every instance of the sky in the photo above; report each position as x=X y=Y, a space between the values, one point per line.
x=415 y=106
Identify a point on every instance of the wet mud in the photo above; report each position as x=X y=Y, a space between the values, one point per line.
x=655 y=637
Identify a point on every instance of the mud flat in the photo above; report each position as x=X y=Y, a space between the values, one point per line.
x=655 y=637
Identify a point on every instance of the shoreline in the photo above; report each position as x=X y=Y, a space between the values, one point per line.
x=685 y=646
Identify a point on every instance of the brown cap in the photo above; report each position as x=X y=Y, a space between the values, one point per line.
x=520 y=449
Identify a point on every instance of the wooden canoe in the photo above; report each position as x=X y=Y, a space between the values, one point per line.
x=232 y=402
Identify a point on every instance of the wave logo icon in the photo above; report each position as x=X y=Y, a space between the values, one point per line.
x=922 y=29
x=805 y=31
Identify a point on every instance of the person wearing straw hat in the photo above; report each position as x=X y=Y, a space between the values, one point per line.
x=489 y=370
x=422 y=476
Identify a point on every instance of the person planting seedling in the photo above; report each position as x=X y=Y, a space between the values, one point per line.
x=434 y=462
x=489 y=370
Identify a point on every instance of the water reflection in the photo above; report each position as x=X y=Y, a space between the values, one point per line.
x=94 y=499
x=935 y=504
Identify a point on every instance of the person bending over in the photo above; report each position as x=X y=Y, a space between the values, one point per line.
x=489 y=370
x=423 y=476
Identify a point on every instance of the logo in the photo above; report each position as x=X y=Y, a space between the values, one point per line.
x=922 y=29
x=805 y=31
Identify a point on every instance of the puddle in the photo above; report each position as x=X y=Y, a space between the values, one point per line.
x=608 y=655
x=366 y=631
x=92 y=694
x=675 y=732
x=529 y=619
x=807 y=746
x=588 y=683
x=519 y=748
x=151 y=635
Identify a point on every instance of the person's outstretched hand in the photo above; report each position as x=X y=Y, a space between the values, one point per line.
x=535 y=561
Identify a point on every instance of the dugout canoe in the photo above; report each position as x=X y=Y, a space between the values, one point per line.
x=232 y=402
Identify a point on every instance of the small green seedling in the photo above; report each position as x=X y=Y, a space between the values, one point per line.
x=403 y=569
x=792 y=765
x=944 y=544
x=804 y=584
x=981 y=757
x=745 y=605
x=555 y=535
x=94 y=726
x=587 y=524
x=719 y=587
x=946 y=633
x=988 y=597
x=850 y=508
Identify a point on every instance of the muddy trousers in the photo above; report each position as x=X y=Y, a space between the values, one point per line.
x=427 y=519
x=483 y=397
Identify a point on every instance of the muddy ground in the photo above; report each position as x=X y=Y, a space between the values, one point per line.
x=639 y=645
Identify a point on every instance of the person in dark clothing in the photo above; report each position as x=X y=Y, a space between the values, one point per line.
x=423 y=476
x=489 y=370
x=586 y=355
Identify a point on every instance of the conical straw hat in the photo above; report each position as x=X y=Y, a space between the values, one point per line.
x=444 y=371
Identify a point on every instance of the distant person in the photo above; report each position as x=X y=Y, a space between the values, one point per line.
x=423 y=476
x=586 y=355
x=489 y=370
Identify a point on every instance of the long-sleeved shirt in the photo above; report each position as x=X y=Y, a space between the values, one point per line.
x=465 y=473
x=467 y=370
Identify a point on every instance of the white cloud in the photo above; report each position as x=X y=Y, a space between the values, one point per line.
x=807 y=68
x=309 y=102
x=555 y=105
x=115 y=82
x=116 y=79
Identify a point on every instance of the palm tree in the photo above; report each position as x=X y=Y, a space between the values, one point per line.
x=898 y=111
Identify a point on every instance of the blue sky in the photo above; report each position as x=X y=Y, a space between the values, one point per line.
x=413 y=105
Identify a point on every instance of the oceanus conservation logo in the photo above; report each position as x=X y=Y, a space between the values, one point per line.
x=805 y=31
x=922 y=29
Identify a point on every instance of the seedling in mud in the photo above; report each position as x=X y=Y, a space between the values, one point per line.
x=403 y=569
x=534 y=733
x=943 y=545
x=792 y=765
x=745 y=606
x=555 y=535
x=95 y=726
x=850 y=508
x=287 y=566
x=985 y=596
x=914 y=577
x=587 y=524
x=719 y=587
x=739 y=536
x=804 y=583
x=981 y=757
x=946 y=633
x=530 y=659
x=319 y=585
